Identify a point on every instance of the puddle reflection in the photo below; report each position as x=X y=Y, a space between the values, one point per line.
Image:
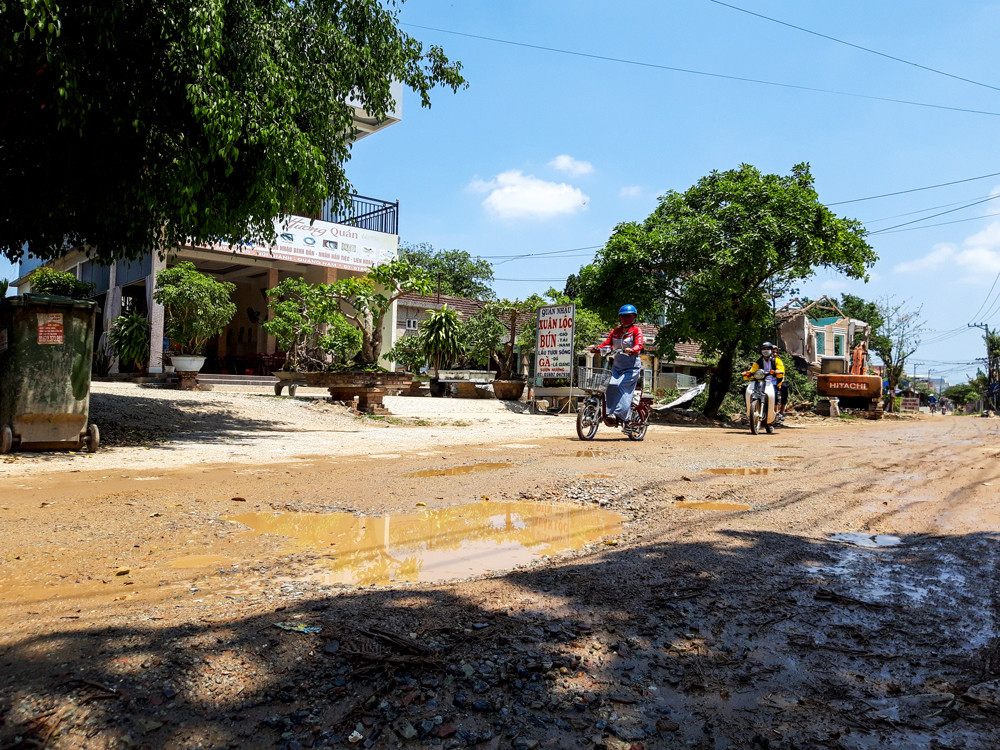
x=437 y=545
x=867 y=540
x=456 y=470
x=745 y=472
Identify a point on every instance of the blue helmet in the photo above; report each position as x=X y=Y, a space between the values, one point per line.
x=628 y=310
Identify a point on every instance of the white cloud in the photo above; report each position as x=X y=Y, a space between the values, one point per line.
x=937 y=257
x=566 y=163
x=630 y=191
x=515 y=195
x=978 y=257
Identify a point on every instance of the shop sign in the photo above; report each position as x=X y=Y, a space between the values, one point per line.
x=554 y=341
x=50 y=328
x=321 y=243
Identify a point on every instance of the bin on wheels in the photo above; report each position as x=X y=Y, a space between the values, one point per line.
x=46 y=353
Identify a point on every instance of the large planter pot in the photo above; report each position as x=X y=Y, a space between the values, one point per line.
x=508 y=390
x=187 y=362
x=368 y=387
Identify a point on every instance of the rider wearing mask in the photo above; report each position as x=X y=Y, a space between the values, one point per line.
x=626 y=367
x=775 y=369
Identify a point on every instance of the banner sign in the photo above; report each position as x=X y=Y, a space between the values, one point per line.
x=554 y=341
x=321 y=243
x=50 y=328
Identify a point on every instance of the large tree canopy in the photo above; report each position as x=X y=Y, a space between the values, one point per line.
x=713 y=257
x=453 y=272
x=130 y=125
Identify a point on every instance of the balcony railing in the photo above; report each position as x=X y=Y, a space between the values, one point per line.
x=366 y=213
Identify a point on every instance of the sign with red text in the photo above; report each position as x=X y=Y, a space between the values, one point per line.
x=321 y=243
x=554 y=341
x=909 y=404
x=50 y=328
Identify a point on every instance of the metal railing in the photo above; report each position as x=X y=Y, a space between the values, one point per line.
x=366 y=213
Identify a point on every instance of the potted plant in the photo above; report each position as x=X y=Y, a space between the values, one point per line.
x=129 y=339
x=196 y=308
x=491 y=335
x=371 y=296
x=442 y=340
x=307 y=324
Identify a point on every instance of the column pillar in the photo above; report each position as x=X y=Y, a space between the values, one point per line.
x=270 y=344
x=113 y=309
x=155 y=316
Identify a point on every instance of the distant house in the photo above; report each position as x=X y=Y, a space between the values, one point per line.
x=818 y=330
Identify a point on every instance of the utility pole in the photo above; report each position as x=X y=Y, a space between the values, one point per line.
x=990 y=367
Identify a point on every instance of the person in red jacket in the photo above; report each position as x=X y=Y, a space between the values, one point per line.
x=626 y=368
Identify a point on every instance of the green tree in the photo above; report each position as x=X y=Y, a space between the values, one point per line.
x=491 y=334
x=898 y=340
x=860 y=309
x=711 y=259
x=962 y=394
x=572 y=288
x=136 y=125
x=369 y=298
x=453 y=272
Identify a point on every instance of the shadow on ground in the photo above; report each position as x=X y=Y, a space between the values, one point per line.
x=758 y=640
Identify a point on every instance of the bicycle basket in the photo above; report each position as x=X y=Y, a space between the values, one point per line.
x=592 y=378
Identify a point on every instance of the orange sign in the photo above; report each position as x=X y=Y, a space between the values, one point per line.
x=50 y=328
x=861 y=386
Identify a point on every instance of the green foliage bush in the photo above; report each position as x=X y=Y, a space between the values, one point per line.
x=129 y=339
x=47 y=280
x=196 y=307
x=300 y=313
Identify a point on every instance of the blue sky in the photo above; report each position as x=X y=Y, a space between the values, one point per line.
x=547 y=151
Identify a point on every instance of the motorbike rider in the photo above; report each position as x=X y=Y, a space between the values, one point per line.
x=775 y=369
x=626 y=367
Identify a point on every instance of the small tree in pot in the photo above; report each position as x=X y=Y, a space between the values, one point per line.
x=308 y=325
x=491 y=334
x=196 y=307
x=442 y=339
x=129 y=340
x=370 y=297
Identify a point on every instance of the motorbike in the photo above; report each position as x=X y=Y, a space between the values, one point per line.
x=760 y=402
x=594 y=409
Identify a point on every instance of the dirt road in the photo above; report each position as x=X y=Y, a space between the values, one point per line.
x=832 y=585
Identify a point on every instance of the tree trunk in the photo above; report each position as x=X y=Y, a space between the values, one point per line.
x=718 y=384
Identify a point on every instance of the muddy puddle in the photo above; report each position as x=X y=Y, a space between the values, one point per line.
x=459 y=470
x=582 y=454
x=708 y=505
x=436 y=545
x=744 y=471
x=866 y=540
x=192 y=562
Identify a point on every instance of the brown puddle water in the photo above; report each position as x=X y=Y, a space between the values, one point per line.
x=582 y=454
x=456 y=470
x=436 y=545
x=694 y=505
x=744 y=472
x=192 y=562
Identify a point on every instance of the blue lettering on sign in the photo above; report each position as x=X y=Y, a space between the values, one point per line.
x=309 y=240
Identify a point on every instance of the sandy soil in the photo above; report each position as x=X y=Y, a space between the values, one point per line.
x=138 y=603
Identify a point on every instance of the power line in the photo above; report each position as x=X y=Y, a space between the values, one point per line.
x=938 y=224
x=689 y=71
x=914 y=190
x=919 y=211
x=856 y=46
x=932 y=216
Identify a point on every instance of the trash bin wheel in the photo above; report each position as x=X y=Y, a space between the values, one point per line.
x=291 y=390
x=6 y=439
x=93 y=438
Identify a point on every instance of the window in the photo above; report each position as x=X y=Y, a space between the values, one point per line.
x=412 y=324
x=820 y=344
x=838 y=346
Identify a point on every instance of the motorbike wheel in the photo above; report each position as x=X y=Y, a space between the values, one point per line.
x=756 y=416
x=588 y=419
x=638 y=432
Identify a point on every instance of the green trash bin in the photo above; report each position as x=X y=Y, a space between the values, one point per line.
x=46 y=354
